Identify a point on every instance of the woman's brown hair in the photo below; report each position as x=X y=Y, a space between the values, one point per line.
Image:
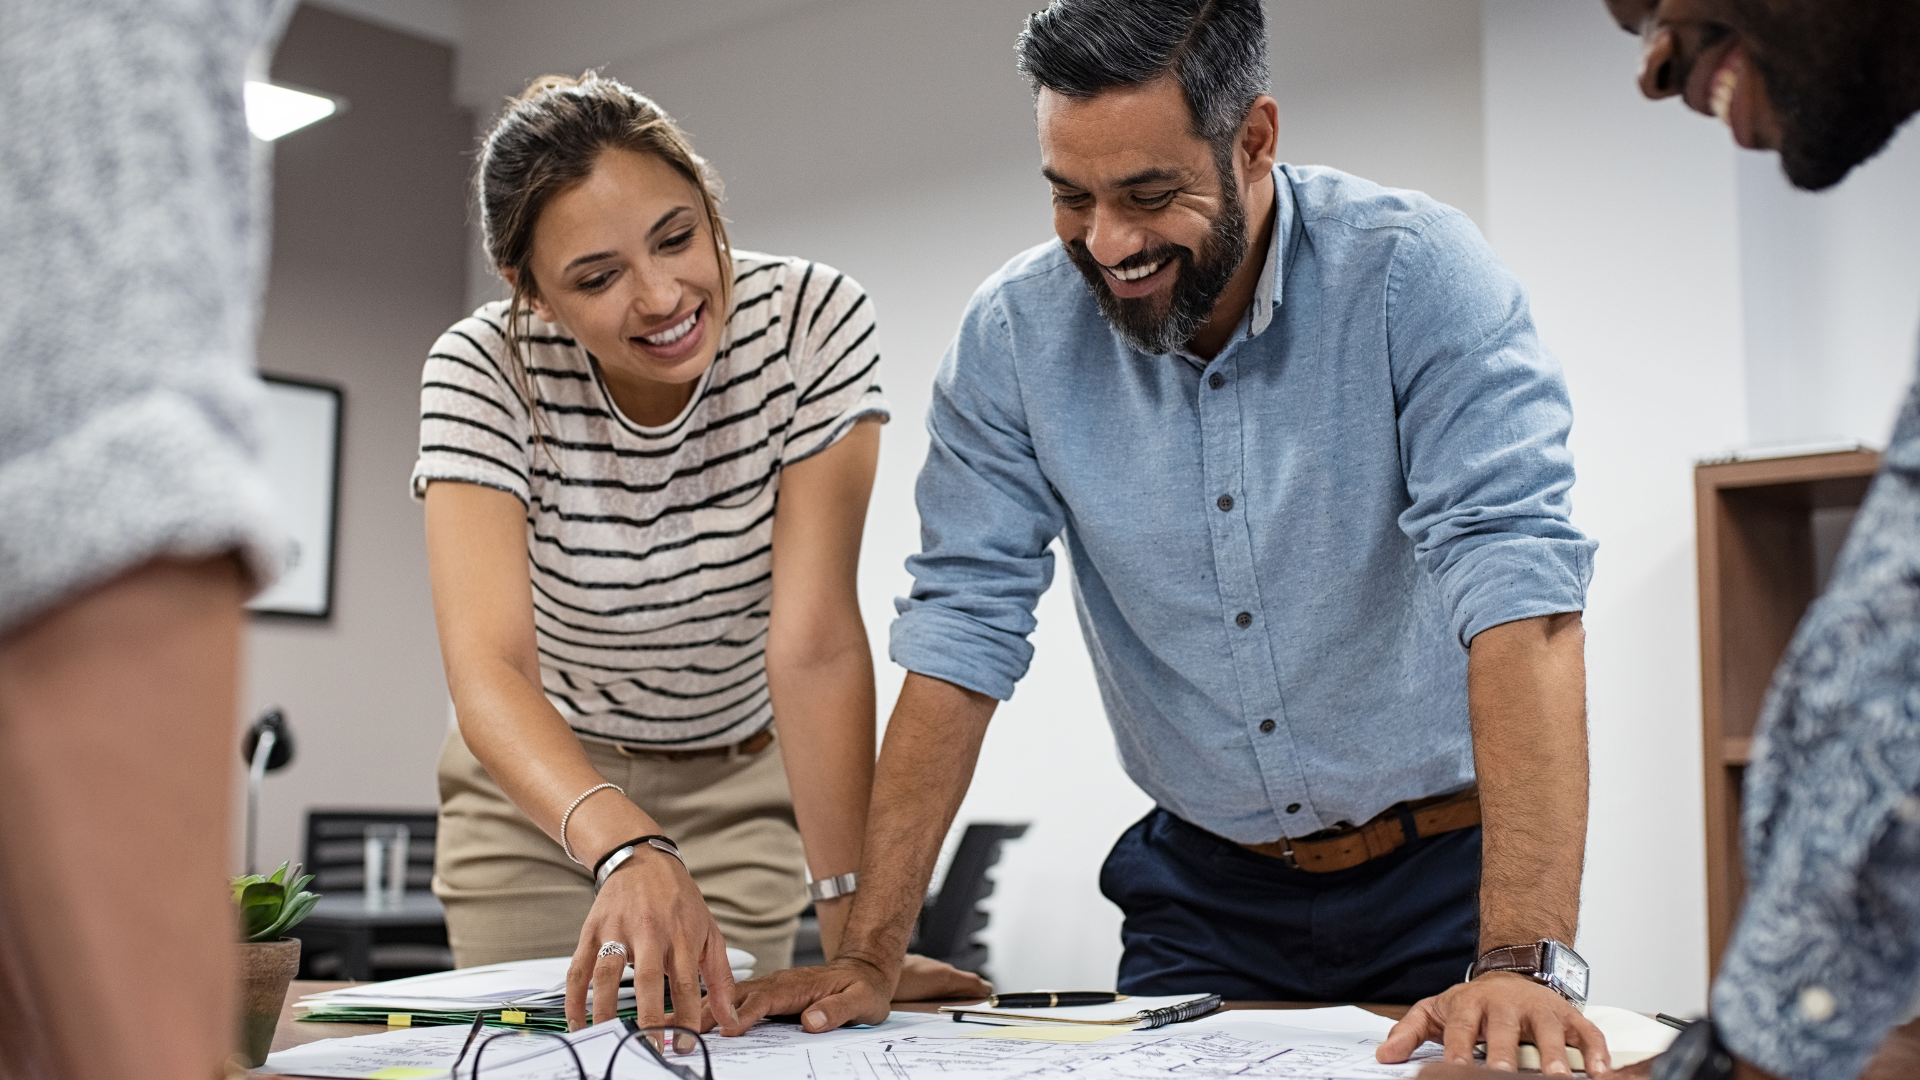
x=547 y=140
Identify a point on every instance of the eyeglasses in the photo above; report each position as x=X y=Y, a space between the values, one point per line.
x=636 y=1033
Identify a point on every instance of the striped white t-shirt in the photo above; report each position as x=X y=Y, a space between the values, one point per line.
x=651 y=549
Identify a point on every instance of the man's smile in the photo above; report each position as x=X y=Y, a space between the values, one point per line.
x=1133 y=282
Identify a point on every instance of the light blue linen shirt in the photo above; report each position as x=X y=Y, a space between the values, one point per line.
x=1279 y=556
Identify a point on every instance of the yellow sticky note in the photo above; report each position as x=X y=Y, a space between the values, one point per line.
x=512 y=1016
x=402 y=1072
x=399 y=1019
x=1070 y=1033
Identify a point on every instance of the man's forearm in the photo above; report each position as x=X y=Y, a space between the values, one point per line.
x=926 y=764
x=1526 y=688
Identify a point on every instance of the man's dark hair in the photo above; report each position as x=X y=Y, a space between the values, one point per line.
x=1215 y=49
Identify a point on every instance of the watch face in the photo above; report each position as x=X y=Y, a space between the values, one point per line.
x=1565 y=967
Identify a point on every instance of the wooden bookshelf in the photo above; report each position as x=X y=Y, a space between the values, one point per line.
x=1768 y=531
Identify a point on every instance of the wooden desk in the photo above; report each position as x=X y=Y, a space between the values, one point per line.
x=293 y=1032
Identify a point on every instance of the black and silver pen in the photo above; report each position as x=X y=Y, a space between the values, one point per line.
x=1050 y=999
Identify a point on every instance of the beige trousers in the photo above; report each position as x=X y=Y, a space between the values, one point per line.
x=512 y=894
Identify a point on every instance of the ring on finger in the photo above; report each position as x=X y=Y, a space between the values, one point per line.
x=612 y=948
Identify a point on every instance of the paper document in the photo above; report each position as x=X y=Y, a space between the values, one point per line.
x=908 y=1046
x=536 y=988
x=429 y=1053
x=1270 y=1044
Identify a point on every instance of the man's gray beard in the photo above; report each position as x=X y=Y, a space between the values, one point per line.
x=1197 y=286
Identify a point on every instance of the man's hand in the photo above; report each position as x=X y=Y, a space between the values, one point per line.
x=846 y=991
x=1503 y=1010
x=923 y=978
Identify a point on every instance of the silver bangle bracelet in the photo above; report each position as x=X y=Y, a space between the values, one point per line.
x=829 y=888
x=618 y=857
x=575 y=805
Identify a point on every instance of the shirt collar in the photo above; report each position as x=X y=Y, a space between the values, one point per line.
x=1267 y=294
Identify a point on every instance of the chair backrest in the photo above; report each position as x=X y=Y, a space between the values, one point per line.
x=336 y=848
x=950 y=919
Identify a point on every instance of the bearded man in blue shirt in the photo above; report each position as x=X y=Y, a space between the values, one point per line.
x=1308 y=460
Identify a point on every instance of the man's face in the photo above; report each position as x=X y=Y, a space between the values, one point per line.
x=1143 y=208
x=1824 y=82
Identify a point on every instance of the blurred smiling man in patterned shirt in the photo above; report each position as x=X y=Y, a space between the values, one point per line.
x=1826 y=956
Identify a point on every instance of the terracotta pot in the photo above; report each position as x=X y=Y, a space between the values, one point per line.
x=266 y=967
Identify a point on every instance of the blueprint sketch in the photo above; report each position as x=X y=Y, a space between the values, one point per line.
x=1256 y=1051
x=908 y=1046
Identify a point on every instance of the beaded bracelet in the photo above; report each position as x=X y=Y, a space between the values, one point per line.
x=564 y=846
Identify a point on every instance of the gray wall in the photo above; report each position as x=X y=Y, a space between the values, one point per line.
x=368 y=268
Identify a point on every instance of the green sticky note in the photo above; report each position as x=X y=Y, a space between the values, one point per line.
x=402 y=1072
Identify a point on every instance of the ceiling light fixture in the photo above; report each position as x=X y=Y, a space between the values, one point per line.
x=273 y=111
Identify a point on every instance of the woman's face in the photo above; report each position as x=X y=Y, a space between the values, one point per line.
x=625 y=261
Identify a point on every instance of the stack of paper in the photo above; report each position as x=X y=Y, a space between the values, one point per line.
x=535 y=989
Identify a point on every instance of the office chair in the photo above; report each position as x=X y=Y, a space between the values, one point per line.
x=951 y=917
x=342 y=939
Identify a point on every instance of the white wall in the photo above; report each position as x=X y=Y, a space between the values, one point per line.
x=1619 y=215
x=1832 y=287
x=894 y=140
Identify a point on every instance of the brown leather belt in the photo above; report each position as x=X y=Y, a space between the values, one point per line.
x=1342 y=849
x=751 y=745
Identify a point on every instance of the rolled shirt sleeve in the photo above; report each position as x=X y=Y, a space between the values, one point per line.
x=987 y=518
x=1483 y=420
x=131 y=427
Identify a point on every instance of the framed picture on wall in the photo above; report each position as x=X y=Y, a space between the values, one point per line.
x=303 y=467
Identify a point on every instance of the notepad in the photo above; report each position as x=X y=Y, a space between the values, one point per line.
x=1132 y=1013
x=1631 y=1038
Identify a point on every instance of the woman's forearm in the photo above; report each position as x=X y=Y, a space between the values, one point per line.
x=536 y=759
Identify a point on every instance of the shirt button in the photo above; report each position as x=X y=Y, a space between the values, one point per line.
x=1266 y=728
x=1243 y=620
x=1817 y=1003
x=1216 y=380
x=1293 y=808
x=1224 y=502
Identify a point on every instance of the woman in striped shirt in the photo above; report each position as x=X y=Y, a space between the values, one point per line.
x=645 y=479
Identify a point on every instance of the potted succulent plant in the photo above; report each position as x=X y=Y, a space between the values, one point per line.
x=269 y=907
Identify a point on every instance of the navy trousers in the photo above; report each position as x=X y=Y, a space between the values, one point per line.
x=1205 y=915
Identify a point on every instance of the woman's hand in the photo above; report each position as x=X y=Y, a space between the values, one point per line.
x=651 y=906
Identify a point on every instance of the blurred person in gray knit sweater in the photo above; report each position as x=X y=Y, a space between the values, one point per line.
x=136 y=521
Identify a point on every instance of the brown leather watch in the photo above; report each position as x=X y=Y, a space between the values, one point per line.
x=1547 y=962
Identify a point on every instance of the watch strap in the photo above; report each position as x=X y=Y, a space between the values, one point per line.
x=1548 y=962
x=836 y=886
x=1528 y=959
